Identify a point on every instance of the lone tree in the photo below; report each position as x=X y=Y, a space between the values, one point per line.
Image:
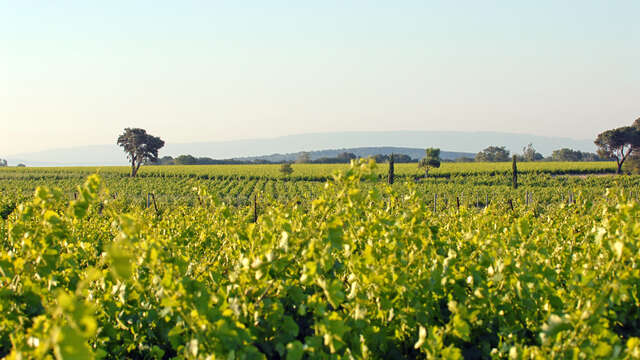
x=3 y=162
x=431 y=160
x=493 y=154
x=286 y=169
x=619 y=143
x=140 y=147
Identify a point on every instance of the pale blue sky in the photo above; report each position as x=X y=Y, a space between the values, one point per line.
x=78 y=72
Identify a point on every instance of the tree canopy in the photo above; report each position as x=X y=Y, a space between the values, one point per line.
x=566 y=154
x=186 y=160
x=341 y=158
x=140 y=147
x=619 y=143
x=529 y=153
x=303 y=158
x=493 y=154
x=397 y=158
x=3 y=162
x=346 y=156
x=431 y=160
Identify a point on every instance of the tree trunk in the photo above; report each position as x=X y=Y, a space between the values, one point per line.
x=138 y=167
x=621 y=159
x=133 y=168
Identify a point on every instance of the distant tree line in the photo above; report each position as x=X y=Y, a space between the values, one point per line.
x=490 y=154
x=303 y=158
x=565 y=154
x=529 y=153
x=192 y=160
x=346 y=157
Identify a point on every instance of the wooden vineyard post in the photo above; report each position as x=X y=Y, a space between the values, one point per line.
x=486 y=201
x=155 y=205
x=515 y=173
x=148 y=200
x=458 y=202
x=391 y=171
x=435 y=203
x=255 y=208
x=510 y=204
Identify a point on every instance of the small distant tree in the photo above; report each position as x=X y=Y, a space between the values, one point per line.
x=286 y=169
x=140 y=147
x=619 y=143
x=493 y=154
x=529 y=153
x=380 y=158
x=587 y=156
x=566 y=154
x=402 y=158
x=346 y=156
x=431 y=160
x=165 y=160
x=3 y=162
x=21 y=165
x=303 y=158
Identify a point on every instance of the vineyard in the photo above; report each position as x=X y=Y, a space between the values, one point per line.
x=309 y=172
x=239 y=262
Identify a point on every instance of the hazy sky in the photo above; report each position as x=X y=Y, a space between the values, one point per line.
x=78 y=72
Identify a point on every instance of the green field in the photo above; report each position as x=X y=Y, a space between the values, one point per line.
x=238 y=262
x=238 y=184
